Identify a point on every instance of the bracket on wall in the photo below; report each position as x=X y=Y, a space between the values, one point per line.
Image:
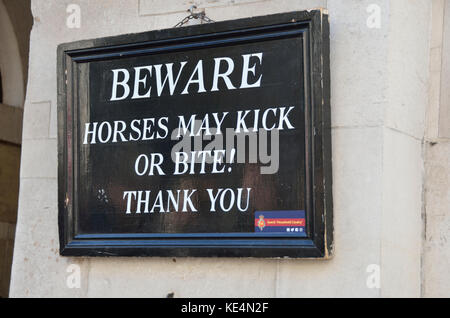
x=200 y=15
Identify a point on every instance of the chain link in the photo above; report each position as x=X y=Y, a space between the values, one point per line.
x=201 y=15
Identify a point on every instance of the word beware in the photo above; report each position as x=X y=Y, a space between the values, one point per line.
x=138 y=87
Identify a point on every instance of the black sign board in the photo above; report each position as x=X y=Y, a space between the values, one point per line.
x=207 y=140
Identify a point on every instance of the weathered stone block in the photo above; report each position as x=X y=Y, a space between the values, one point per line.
x=39 y=159
x=37 y=117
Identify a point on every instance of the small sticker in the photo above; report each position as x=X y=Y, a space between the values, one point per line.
x=292 y=222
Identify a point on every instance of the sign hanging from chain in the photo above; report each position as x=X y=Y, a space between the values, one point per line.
x=207 y=140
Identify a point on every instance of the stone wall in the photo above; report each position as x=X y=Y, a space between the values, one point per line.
x=436 y=254
x=379 y=96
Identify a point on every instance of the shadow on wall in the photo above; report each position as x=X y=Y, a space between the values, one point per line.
x=15 y=26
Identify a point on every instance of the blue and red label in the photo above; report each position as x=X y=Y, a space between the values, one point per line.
x=292 y=222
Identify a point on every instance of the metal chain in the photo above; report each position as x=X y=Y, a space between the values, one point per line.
x=201 y=15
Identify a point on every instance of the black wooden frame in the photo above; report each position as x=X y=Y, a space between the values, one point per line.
x=319 y=243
